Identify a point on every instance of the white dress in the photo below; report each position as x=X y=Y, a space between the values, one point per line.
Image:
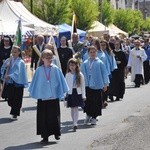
x=136 y=63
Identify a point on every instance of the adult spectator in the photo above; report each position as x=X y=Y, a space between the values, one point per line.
x=146 y=63
x=135 y=63
x=65 y=53
x=37 y=48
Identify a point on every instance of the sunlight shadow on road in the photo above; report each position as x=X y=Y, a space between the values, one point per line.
x=29 y=146
x=28 y=109
x=67 y=126
x=5 y=120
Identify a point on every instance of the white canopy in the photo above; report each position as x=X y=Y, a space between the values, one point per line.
x=113 y=30
x=97 y=26
x=11 y=12
x=98 y=29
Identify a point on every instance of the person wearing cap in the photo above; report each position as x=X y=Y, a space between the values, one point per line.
x=135 y=63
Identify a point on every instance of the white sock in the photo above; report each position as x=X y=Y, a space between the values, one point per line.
x=75 y=115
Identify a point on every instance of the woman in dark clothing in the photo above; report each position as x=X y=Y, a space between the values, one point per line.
x=117 y=84
x=65 y=54
x=5 y=50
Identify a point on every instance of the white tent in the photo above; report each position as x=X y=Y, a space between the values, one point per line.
x=98 y=29
x=10 y=28
x=11 y=12
x=113 y=31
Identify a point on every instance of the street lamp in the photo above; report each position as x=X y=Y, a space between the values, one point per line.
x=145 y=13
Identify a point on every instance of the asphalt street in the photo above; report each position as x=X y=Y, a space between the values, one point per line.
x=124 y=125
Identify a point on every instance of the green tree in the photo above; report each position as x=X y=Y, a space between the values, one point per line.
x=128 y=20
x=107 y=12
x=146 y=24
x=87 y=11
x=52 y=11
x=61 y=11
x=138 y=21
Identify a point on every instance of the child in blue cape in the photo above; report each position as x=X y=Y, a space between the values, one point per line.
x=15 y=80
x=96 y=80
x=48 y=86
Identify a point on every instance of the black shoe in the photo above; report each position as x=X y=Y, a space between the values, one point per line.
x=75 y=128
x=45 y=140
x=117 y=99
x=137 y=86
x=6 y=99
x=105 y=104
x=111 y=98
x=14 y=117
x=57 y=137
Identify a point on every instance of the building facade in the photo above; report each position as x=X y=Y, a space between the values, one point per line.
x=142 y=5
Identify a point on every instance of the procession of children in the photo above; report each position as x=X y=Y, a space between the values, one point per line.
x=91 y=74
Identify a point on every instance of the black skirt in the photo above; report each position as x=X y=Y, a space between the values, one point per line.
x=93 y=103
x=75 y=99
x=15 y=98
x=117 y=84
x=48 y=118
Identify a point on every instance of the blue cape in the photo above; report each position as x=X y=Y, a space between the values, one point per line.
x=99 y=74
x=40 y=88
x=16 y=72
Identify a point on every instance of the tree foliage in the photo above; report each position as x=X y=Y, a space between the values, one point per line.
x=86 y=12
x=52 y=11
x=107 y=12
x=128 y=20
x=146 y=24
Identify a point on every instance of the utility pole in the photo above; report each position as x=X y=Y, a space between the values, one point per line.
x=138 y=8
x=31 y=6
x=144 y=9
x=101 y=11
x=117 y=5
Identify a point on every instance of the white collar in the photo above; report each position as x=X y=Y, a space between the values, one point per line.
x=7 y=47
x=63 y=46
x=117 y=50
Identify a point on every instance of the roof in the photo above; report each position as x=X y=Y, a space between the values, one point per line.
x=62 y=28
x=114 y=30
x=97 y=27
x=11 y=12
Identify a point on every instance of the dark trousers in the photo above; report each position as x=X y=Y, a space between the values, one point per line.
x=138 y=80
x=15 y=96
x=93 y=103
x=146 y=66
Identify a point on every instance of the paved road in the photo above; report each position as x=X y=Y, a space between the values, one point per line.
x=123 y=126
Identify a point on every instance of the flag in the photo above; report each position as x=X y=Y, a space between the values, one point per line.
x=18 y=40
x=74 y=24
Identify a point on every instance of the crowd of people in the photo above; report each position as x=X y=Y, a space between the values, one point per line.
x=90 y=74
